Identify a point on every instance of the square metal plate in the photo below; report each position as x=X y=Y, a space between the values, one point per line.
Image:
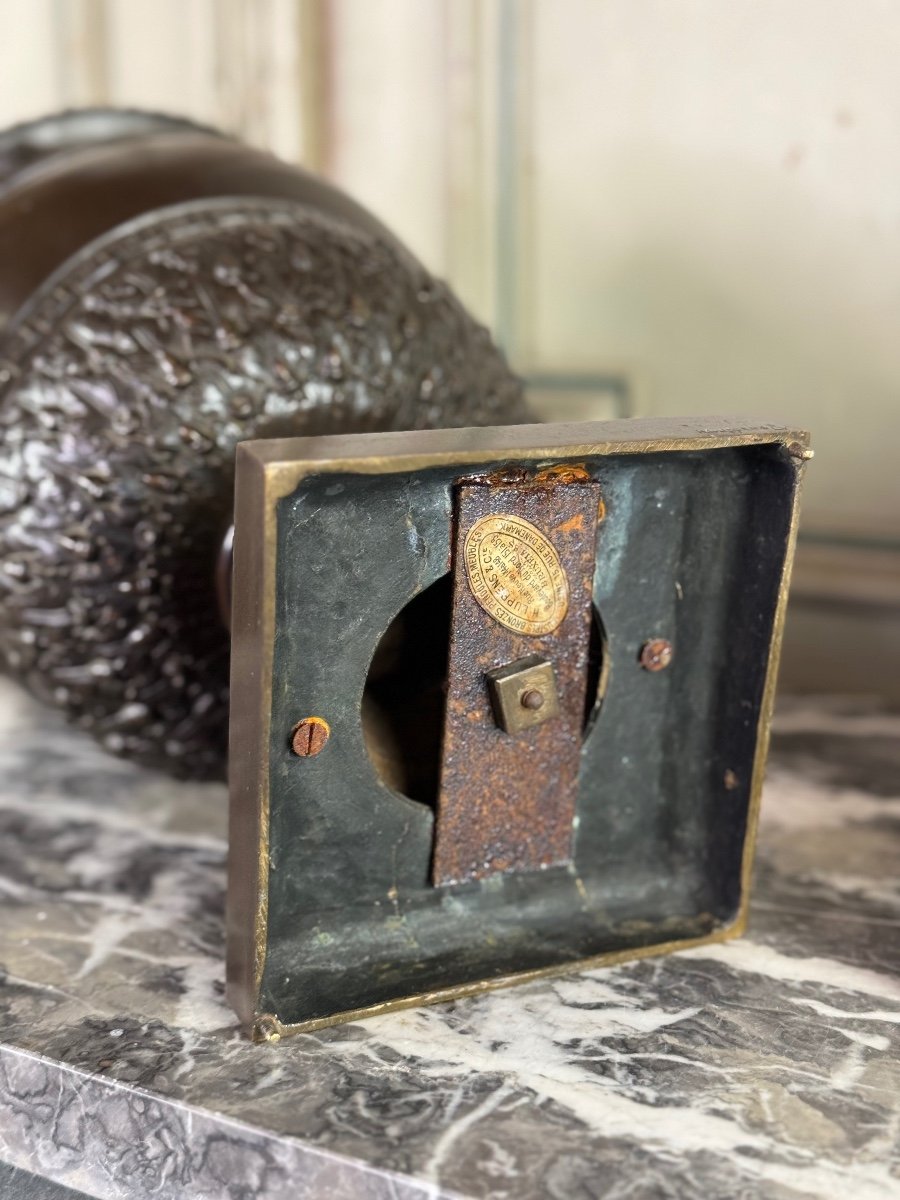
x=512 y=689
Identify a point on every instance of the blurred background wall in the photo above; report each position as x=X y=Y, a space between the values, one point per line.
x=659 y=206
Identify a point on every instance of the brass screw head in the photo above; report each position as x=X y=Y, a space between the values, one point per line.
x=656 y=654
x=532 y=699
x=308 y=737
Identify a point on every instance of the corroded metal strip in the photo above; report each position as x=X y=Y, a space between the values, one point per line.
x=523 y=572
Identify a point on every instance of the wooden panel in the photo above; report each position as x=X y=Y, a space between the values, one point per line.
x=386 y=116
x=162 y=55
x=713 y=204
x=470 y=145
x=29 y=82
x=82 y=51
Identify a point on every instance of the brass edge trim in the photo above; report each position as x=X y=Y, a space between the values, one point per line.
x=610 y=958
x=289 y=473
x=251 y=661
x=267 y=655
x=609 y=435
x=764 y=725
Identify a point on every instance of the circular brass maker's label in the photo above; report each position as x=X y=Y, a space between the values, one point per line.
x=515 y=574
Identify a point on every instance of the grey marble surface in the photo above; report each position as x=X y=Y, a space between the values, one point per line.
x=764 y=1067
x=16 y=1184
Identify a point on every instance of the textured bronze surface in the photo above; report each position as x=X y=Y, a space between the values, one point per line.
x=656 y=654
x=129 y=377
x=507 y=799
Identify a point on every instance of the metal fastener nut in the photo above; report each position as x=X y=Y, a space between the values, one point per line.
x=308 y=737
x=523 y=693
x=656 y=654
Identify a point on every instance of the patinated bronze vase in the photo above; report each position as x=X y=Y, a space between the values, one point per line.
x=167 y=292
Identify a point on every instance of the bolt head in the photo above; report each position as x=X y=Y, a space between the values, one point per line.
x=656 y=654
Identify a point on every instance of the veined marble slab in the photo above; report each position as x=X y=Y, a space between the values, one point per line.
x=764 y=1067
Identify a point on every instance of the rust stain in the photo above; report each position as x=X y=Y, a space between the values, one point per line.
x=544 y=479
x=573 y=524
x=561 y=473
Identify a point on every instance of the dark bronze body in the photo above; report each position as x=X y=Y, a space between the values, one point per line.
x=166 y=293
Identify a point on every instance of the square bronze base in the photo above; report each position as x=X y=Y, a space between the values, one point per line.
x=342 y=550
